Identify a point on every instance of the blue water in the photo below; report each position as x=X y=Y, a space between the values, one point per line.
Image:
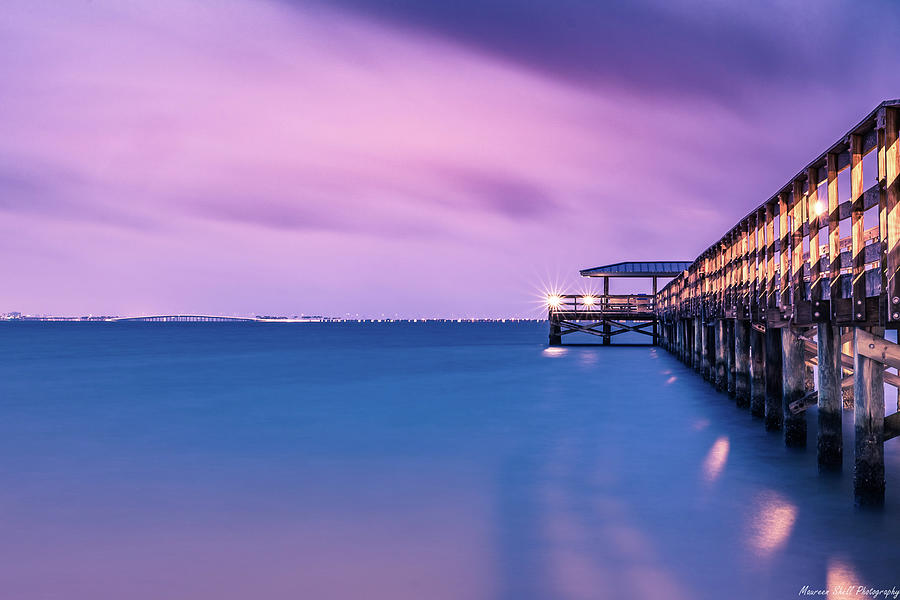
x=403 y=461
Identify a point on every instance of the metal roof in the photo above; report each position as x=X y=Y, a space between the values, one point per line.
x=665 y=268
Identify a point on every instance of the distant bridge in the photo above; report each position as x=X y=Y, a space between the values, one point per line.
x=185 y=319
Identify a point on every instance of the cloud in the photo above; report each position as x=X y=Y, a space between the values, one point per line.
x=207 y=150
x=689 y=49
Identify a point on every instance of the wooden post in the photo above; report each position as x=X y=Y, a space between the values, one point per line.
x=606 y=329
x=742 y=362
x=555 y=330
x=721 y=376
x=655 y=330
x=730 y=355
x=794 y=382
x=757 y=373
x=704 y=349
x=868 y=418
x=698 y=345
x=774 y=414
x=830 y=444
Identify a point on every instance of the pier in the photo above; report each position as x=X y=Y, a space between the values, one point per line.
x=792 y=306
x=607 y=315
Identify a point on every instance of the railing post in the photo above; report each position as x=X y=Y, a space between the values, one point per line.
x=606 y=329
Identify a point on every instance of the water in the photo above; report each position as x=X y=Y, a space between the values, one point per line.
x=405 y=462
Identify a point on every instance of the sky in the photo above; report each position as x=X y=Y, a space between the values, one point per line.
x=403 y=158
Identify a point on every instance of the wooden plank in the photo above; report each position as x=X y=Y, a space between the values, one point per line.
x=858 y=289
x=834 y=235
x=877 y=348
x=892 y=426
x=813 y=210
x=798 y=220
x=752 y=272
x=784 y=255
x=771 y=271
x=809 y=399
x=892 y=188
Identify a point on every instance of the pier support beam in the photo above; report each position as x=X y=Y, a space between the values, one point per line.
x=721 y=377
x=679 y=327
x=606 y=328
x=830 y=444
x=555 y=332
x=729 y=355
x=704 y=349
x=774 y=414
x=868 y=419
x=794 y=382
x=757 y=373
x=742 y=363
x=698 y=345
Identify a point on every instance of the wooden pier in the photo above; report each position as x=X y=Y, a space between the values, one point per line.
x=790 y=308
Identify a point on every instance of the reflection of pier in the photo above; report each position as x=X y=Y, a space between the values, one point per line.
x=607 y=315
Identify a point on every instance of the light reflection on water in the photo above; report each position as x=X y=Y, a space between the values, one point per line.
x=716 y=459
x=441 y=461
x=842 y=580
x=772 y=523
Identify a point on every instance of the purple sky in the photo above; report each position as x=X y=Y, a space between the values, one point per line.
x=406 y=157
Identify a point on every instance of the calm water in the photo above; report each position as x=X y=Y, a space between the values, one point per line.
x=402 y=462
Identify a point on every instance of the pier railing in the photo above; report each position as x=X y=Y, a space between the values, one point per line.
x=591 y=304
x=818 y=260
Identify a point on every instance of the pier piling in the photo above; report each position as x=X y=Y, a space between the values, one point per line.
x=757 y=373
x=742 y=363
x=794 y=382
x=774 y=413
x=830 y=442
